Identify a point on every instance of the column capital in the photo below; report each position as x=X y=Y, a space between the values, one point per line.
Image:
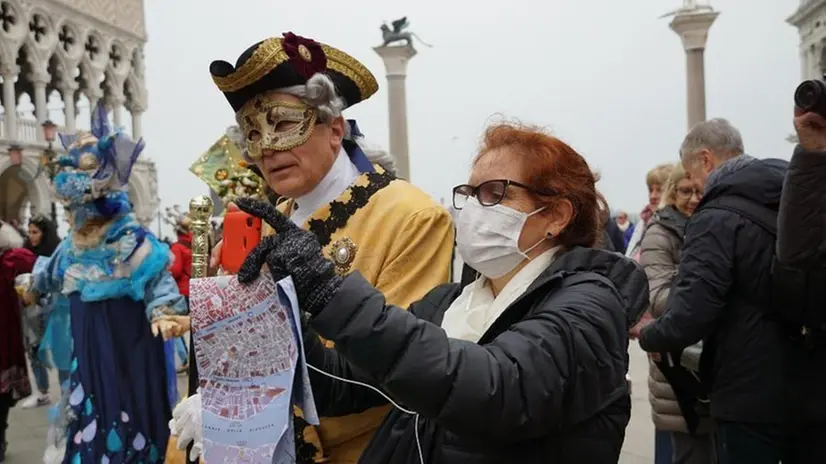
x=395 y=58
x=95 y=93
x=693 y=28
x=9 y=70
x=114 y=98
x=65 y=85
x=135 y=108
x=40 y=75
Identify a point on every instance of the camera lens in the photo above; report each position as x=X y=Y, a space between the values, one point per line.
x=809 y=95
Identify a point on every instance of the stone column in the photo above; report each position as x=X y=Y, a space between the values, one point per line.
x=137 y=125
x=67 y=92
x=116 y=107
x=115 y=100
x=93 y=103
x=94 y=94
x=40 y=78
x=395 y=62
x=692 y=27
x=9 y=73
x=136 y=111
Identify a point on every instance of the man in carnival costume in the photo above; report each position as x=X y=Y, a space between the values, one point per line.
x=114 y=273
x=288 y=94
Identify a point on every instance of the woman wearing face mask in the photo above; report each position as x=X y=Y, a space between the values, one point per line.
x=661 y=257
x=526 y=364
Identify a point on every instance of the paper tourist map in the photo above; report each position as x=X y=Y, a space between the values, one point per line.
x=250 y=359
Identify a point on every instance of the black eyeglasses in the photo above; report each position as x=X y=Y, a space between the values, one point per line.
x=490 y=193
x=689 y=192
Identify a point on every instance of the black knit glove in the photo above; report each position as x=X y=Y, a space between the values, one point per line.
x=290 y=251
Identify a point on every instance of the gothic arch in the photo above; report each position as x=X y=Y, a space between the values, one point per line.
x=38 y=190
x=18 y=28
x=70 y=41
x=42 y=36
x=134 y=92
x=26 y=59
x=118 y=58
x=89 y=79
x=95 y=49
x=138 y=60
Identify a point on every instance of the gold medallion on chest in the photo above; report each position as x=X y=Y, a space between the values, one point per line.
x=342 y=254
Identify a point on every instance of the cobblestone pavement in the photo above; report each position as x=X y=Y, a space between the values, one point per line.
x=27 y=428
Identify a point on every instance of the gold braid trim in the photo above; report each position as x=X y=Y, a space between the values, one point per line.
x=270 y=55
x=264 y=59
x=345 y=64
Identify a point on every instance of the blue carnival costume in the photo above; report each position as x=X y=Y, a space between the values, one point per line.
x=113 y=272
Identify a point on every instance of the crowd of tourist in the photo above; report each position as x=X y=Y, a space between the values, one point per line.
x=524 y=358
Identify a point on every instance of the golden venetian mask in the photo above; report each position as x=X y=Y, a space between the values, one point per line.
x=274 y=125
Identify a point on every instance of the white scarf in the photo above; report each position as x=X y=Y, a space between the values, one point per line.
x=476 y=309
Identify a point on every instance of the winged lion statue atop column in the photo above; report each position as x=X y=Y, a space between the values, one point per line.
x=399 y=34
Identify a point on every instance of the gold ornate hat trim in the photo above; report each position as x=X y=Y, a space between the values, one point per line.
x=345 y=64
x=270 y=54
x=264 y=59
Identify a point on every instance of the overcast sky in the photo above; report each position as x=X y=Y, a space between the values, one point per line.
x=608 y=77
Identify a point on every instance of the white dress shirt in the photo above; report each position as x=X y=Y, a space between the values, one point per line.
x=340 y=177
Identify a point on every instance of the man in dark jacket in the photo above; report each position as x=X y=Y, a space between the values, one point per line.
x=721 y=297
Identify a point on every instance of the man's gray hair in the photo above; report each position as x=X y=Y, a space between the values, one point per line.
x=715 y=135
x=320 y=93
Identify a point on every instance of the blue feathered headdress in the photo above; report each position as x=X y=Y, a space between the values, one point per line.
x=115 y=153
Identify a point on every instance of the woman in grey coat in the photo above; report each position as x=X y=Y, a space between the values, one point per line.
x=660 y=257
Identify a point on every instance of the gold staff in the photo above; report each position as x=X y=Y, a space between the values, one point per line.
x=200 y=210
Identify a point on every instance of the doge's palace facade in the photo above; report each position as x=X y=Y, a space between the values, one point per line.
x=91 y=48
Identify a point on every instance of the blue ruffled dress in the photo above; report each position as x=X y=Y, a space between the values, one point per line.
x=122 y=382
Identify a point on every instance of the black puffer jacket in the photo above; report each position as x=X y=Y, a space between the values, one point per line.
x=801 y=229
x=801 y=245
x=753 y=371
x=546 y=382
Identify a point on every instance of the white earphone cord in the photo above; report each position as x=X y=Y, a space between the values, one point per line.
x=406 y=411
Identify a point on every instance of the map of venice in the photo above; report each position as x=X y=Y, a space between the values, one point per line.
x=247 y=351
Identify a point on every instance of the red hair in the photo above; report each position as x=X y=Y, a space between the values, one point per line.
x=551 y=164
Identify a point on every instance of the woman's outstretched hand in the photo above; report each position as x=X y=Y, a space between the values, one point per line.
x=291 y=251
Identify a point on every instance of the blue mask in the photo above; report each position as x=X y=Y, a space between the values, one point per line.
x=73 y=188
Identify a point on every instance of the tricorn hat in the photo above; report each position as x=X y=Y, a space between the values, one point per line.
x=280 y=62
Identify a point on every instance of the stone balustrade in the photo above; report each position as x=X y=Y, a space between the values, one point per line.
x=28 y=131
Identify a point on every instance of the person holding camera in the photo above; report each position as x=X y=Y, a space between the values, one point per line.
x=800 y=263
x=801 y=234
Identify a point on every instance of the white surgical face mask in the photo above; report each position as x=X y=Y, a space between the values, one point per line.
x=487 y=237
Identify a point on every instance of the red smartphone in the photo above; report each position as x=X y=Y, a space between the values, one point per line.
x=242 y=232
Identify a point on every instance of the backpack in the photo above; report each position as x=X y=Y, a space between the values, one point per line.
x=798 y=300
